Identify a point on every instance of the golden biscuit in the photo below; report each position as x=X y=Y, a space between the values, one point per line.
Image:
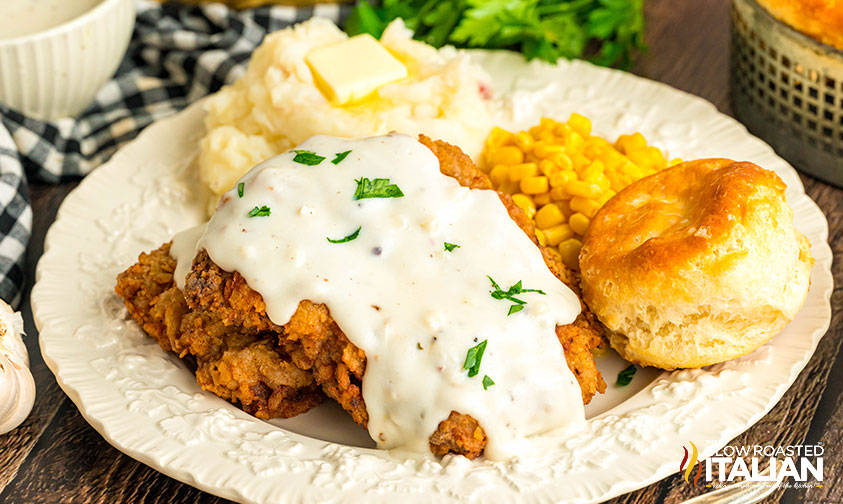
x=696 y=264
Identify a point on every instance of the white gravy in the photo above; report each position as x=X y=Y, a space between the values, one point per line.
x=413 y=307
x=24 y=17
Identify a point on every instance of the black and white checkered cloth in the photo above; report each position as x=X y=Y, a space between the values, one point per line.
x=178 y=54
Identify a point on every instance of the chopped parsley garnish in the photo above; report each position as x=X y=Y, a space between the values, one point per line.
x=262 y=211
x=340 y=156
x=473 y=358
x=451 y=246
x=307 y=157
x=240 y=187
x=348 y=238
x=378 y=188
x=510 y=293
x=625 y=376
x=487 y=382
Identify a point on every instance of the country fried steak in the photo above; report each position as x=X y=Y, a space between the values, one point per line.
x=243 y=366
x=246 y=358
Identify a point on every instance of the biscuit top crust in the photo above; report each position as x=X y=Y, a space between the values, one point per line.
x=820 y=19
x=667 y=219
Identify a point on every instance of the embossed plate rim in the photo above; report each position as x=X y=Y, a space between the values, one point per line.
x=185 y=434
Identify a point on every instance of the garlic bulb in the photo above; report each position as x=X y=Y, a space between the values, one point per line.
x=17 y=388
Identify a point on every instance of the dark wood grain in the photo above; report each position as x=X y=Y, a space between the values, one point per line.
x=55 y=456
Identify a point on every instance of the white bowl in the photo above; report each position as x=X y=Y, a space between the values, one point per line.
x=56 y=72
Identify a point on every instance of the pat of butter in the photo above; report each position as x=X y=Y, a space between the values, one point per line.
x=350 y=70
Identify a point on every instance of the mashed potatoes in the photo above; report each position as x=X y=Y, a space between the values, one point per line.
x=276 y=105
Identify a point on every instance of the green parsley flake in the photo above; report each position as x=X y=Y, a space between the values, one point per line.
x=307 y=157
x=487 y=382
x=378 y=188
x=510 y=293
x=340 y=157
x=240 y=187
x=352 y=236
x=451 y=246
x=625 y=376
x=262 y=211
x=473 y=358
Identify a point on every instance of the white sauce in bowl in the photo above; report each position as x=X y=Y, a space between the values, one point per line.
x=413 y=307
x=25 y=17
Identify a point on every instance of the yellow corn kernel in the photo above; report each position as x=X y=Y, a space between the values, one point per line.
x=674 y=162
x=545 y=150
x=580 y=124
x=561 y=178
x=541 y=237
x=593 y=171
x=498 y=137
x=575 y=143
x=582 y=189
x=580 y=162
x=612 y=159
x=648 y=157
x=630 y=143
x=534 y=185
x=547 y=123
x=579 y=223
x=524 y=203
x=569 y=250
x=548 y=216
x=593 y=150
x=541 y=199
x=606 y=196
x=563 y=162
x=559 y=193
x=548 y=167
x=519 y=171
x=565 y=207
x=523 y=141
x=507 y=155
x=557 y=234
x=587 y=207
x=499 y=175
x=546 y=137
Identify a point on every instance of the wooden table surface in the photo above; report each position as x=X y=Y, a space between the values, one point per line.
x=55 y=456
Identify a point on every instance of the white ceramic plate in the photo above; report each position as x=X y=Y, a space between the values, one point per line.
x=147 y=404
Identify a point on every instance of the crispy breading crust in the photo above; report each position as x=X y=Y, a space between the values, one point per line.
x=316 y=343
x=241 y=366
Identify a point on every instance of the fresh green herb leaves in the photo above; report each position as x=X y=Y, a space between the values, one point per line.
x=378 y=188
x=307 y=157
x=514 y=309
x=472 y=363
x=262 y=211
x=473 y=358
x=607 y=31
x=625 y=376
x=340 y=156
x=451 y=246
x=352 y=236
x=510 y=294
x=240 y=187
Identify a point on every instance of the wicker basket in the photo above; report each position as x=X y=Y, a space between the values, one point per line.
x=787 y=88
